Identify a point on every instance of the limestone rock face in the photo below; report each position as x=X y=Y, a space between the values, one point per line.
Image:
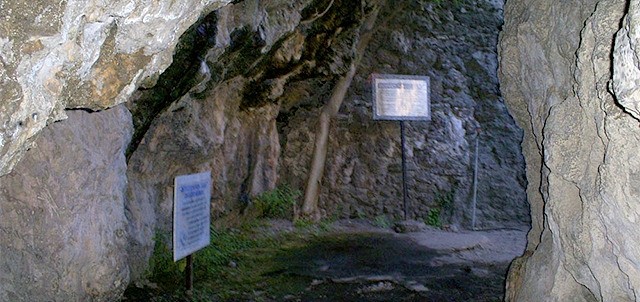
x=220 y=124
x=240 y=149
x=78 y=54
x=62 y=219
x=455 y=45
x=581 y=132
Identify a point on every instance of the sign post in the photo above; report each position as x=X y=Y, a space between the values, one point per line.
x=400 y=98
x=191 y=218
x=404 y=171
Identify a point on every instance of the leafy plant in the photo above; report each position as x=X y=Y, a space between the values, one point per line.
x=445 y=200
x=443 y=206
x=433 y=218
x=382 y=221
x=303 y=223
x=227 y=257
x=277 y=203
x=224 y=244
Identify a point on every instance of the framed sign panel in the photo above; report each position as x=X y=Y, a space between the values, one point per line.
x=191 y=215
x=401 y=97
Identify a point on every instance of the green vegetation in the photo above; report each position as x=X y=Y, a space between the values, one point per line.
x=443 y=206
x=303 y=223
x=382 y=221
x=277 y=203
x=161 y=264
x=433 y=218
x=240 y=264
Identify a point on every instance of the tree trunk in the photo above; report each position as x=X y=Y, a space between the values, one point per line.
x=312 y=191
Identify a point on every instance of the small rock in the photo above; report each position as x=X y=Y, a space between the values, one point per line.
x=417 y=287
x=451 y=228
x=378 y=287
x=316 y=282
x=233 y=264
x=410 y=226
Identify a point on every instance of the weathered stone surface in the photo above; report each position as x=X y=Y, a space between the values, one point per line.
x=626 y=72
x=556 y=72
x=78 y=54
x=240 y=149
x=62 y=220
x=363 y=173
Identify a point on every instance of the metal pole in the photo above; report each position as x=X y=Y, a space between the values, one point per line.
x=404 y=172
x=475 y=184
x=189 y=274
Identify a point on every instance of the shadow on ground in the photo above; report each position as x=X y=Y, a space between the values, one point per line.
x=387 y=267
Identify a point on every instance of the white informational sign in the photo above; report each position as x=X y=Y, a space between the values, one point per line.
x=191 y=214
x=401 y=97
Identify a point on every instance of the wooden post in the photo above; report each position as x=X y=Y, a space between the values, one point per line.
x=188 y=272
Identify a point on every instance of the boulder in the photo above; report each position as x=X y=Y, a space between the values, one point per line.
x=62 y=217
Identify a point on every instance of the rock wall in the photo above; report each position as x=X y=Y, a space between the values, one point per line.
x=455 y=45
x=77 y=54
x=240 y=149
x=225 y=121
x=62 y=220
x=568 y=73
x=62 y=209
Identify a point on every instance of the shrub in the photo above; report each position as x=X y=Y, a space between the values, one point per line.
x=277 y=203
x=433 y=218
x=443 y=207
x=382 y=221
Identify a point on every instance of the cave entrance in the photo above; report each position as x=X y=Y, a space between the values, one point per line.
x=243 y=97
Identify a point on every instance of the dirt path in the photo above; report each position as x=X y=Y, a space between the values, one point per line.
x=358 y=262
x=349 y=260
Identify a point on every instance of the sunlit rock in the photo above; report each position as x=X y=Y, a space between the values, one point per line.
x=78 y=54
